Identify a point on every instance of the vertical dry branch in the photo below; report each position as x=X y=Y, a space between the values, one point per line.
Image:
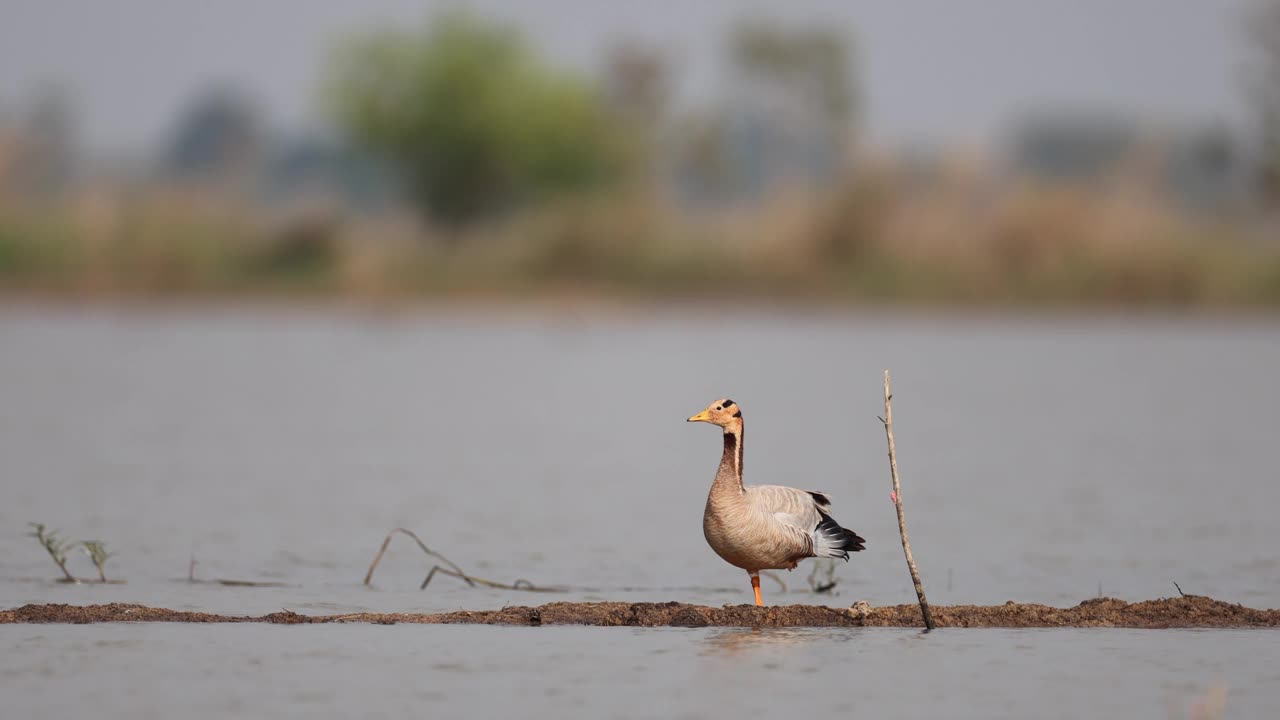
x=897 y=501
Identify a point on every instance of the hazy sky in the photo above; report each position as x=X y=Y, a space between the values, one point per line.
x=937 y=70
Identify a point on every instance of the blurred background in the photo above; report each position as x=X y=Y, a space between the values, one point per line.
x=1004 y=152
x=278 y=277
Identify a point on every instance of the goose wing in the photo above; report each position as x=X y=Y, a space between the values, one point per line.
x=794 y=513
x=801 y=521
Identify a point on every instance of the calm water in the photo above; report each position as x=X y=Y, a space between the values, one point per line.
x=1043 y=458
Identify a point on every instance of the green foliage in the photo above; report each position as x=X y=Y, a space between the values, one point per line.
x=31 y=247
x=474 y=121
x=55 y=546
x=304 y=248
x=58 y=549
x=13 y=258
x=97 y=552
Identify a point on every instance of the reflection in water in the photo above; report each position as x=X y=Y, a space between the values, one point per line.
x=205 y=672
x=732 y=642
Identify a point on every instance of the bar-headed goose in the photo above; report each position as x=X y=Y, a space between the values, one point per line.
x=765 y=527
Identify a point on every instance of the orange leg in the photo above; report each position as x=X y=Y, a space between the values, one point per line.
x=755 y=585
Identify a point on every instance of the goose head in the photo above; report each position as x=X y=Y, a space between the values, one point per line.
x=723 y=412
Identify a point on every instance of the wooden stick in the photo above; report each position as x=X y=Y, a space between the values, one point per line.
x=897 y=501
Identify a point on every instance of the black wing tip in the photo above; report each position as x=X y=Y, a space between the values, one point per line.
x=850 y=541
x=821 y=500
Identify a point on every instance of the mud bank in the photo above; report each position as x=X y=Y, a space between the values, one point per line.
x=1184 y=612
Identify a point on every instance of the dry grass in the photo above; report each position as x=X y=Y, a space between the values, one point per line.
x=875 y=238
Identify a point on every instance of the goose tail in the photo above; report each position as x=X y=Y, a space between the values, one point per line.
x=832 y=540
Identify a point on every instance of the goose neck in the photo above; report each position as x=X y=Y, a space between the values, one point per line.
x=731 y=461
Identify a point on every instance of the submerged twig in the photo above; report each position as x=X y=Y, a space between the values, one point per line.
x=897 y=502
x=244 y=583
x=452 y=569
x=56 y=547
x=828 y=568
x=519 y=584
x=191 y=578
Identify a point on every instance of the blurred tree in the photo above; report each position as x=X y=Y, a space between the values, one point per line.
x=702 y=172
x=218 y=138
x=637 y=89
x=475 y=122
x=41 y=154
x=1072 y=146
x=1201 y=168
x=316 y=165
x=812 y=65
x=1264 y=88
x=791 y=114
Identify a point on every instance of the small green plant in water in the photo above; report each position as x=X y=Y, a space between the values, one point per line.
x=97 y=552
x=55 y=546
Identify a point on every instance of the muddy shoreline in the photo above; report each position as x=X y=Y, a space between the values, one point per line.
x=1184 y=612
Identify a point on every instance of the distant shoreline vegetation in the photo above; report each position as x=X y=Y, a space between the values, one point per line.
x=865 y=244
x=466 y=165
